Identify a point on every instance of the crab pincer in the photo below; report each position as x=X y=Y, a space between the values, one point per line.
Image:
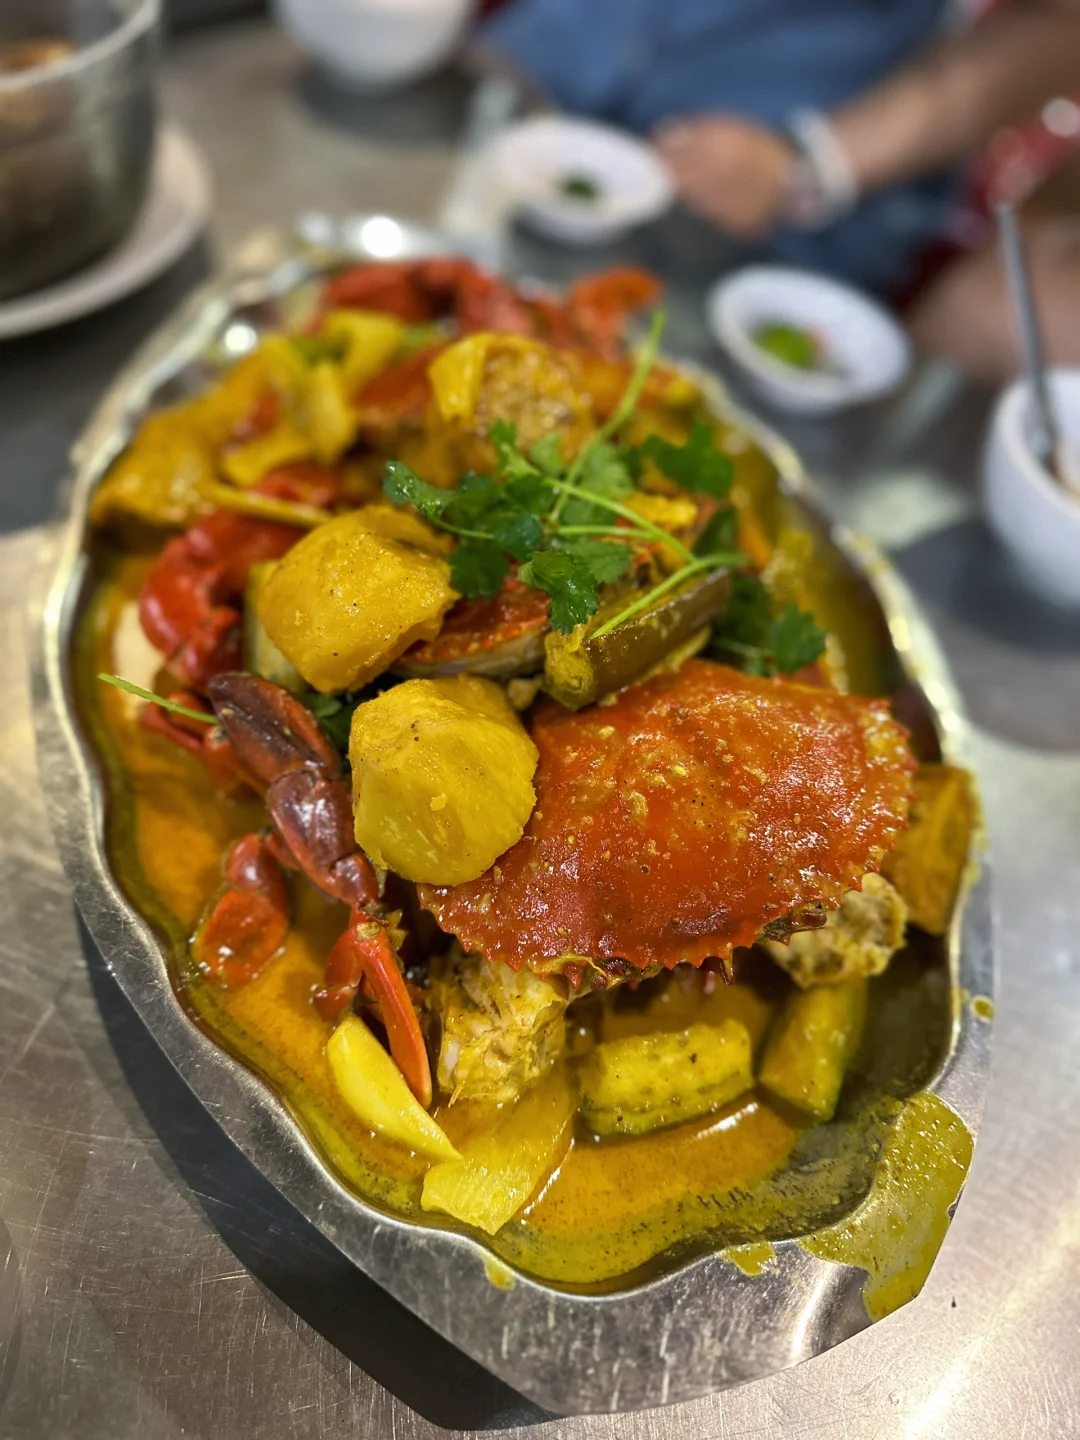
x=209 y=743
x=246 y=925
x=308 y=800
x=363 y=960
x=190 y=604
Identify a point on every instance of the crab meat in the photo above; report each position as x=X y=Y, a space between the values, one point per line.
x=501 y=1028
x=858 y=939
x=680 y=821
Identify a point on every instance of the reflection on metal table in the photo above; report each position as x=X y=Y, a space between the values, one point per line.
x=155 y=1286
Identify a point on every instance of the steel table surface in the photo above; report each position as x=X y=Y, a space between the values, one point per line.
x=154 y=1286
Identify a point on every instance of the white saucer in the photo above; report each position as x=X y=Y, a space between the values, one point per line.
x=870 y=348
x=176 y=210
x=533 y=158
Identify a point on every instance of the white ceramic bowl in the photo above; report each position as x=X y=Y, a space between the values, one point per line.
x=376 y=44
x=869 y=348
x=1035 y=518
x=534 y=158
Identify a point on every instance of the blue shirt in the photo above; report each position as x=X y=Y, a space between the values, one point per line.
x=636 y=63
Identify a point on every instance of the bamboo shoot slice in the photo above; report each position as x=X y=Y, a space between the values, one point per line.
x=500 y=1169
x=374 y=1088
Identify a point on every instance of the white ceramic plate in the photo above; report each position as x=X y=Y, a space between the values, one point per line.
x=534 y=158
x=176 y=210
x=870 y=349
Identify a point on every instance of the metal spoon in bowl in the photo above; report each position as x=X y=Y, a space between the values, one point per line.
x=1048 y=447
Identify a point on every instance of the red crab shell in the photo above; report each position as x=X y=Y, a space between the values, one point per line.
x=676 y=823
x=501 y=636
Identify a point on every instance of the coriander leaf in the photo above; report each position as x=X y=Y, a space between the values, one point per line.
x=604 y=474
x=509 y=459
x=698 y=466
x=503 y=435
x=321 y=706
x=530 y=491
x=518 y=532
x=478 y=569
x=334 y=712
x=766 y=644
x=339 y=727
x=748 y=612
x=472 y=501
x=547 y=455
x=404 y=487
x=720 y=534
x=570 y=583
x=607 y=559
x=794 y=640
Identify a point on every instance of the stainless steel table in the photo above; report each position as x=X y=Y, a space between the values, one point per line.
x=155 y=1286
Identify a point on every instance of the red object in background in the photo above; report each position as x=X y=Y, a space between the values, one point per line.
x=1019 y=158
x=1012 y=165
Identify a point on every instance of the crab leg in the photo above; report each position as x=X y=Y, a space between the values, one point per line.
x=210 y=743
x=246 y=926
x=308 y=800
x=189 y=607
x=364 y=955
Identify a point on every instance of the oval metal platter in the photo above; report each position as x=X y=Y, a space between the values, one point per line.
x=701 y=1327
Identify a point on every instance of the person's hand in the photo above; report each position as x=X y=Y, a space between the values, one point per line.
x=734 y=172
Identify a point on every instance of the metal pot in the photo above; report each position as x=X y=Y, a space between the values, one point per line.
x=76 y=135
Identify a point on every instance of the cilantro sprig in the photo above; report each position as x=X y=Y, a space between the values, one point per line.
x=189 y=713
x=570 y=525
x=335 y=712
x=768 y=642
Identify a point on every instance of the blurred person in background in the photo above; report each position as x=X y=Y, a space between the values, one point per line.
x=833 y=132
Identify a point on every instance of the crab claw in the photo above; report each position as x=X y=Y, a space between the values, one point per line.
x=246 y=925
x=283 y=744
x=273 y=733
x=392 y=288
x=314 y=817
x=364 y=955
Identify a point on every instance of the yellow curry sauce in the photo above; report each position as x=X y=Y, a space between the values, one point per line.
x=612 y=1207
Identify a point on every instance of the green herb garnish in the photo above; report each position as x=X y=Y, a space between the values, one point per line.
x=138 y=690
x=334 y=712
x=792 y=345
x=697 y=465
x=570 y=525
x=768 y=643
x=579 y=187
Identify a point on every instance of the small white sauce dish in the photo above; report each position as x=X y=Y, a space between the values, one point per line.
x=868 y=351
x=535 y=159
x=1032 y=514
x=376 y=44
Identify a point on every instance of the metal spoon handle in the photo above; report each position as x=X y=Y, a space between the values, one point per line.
x=1045 y=436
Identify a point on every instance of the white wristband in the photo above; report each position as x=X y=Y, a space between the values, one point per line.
x=823 y=185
